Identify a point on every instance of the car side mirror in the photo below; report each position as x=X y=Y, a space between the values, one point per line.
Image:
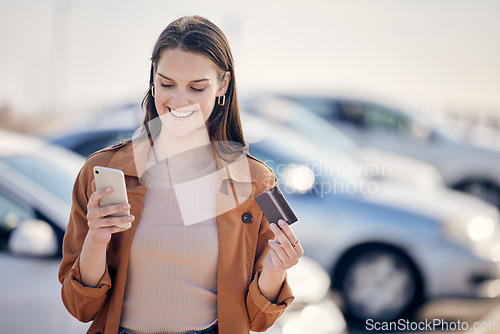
x=33 y=238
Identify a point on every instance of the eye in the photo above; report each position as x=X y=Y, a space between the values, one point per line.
x=165 y=85
x=198 y=89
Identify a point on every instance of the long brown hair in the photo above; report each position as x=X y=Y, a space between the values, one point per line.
x=199 y=35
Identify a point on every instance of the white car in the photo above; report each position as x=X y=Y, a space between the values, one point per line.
x=36 y=181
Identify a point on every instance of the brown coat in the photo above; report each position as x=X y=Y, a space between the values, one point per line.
x=242 y=246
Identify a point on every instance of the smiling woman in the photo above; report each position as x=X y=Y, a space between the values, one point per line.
x=184 y=86
x=195 y=65
x=200 y=256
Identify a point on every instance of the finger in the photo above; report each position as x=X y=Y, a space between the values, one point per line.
x=110 y=222
x=107 y=230
x=112 y=209
x=97 y=195
x=283 y=240
x=280 y=252
x=287 y=230
x=116 y=229
x=104 y=211
x=113 y=221
x=299 y=250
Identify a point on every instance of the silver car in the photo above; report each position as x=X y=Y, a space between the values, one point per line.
x=387 y=248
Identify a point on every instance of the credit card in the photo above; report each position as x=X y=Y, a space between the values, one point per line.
x=274 y=206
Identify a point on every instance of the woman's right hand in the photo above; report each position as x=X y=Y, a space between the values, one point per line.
x=101 y=226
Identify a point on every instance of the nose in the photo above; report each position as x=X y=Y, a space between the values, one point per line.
x=179 y=99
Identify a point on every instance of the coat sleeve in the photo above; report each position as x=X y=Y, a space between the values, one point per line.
x=81 y=301
x=262 y=313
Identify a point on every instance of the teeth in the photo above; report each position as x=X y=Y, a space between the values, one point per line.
x=179 y=114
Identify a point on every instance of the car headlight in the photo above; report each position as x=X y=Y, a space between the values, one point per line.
x=309 y=281
x=298 y=178
x=480 y=228
x=479 y=234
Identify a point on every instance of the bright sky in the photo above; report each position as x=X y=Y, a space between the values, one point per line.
x=74 y=55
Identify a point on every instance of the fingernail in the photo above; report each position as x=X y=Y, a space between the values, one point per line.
x=126 y=206
x=108 y=189
x=130 y=218
x=282 y=222
x=273 y=226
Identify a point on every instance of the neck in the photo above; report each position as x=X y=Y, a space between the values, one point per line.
x=185 y=154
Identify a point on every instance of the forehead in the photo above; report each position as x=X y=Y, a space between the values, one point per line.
x=180 y=64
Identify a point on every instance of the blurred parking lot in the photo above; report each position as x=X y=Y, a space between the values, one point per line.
x=389 y=248
x=398 y=204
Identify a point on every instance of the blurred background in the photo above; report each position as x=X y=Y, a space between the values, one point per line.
x=385 y=123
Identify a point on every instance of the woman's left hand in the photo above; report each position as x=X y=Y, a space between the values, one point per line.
x=285 y=251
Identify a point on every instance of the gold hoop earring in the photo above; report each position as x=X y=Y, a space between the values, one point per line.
x=223 y=100
x=153 y=90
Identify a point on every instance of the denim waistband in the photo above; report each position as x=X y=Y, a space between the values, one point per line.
x=210 y=330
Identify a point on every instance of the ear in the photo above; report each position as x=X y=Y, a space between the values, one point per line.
x=224 y=84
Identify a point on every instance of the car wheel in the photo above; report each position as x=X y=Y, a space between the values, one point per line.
x=482 y=189
x=379 y=284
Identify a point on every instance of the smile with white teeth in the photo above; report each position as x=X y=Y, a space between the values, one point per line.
x=181 y=114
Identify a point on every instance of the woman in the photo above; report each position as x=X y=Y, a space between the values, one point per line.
x=200 y=257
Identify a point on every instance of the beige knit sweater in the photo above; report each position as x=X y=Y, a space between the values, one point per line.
x=172 y=276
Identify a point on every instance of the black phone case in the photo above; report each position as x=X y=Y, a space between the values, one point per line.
x=274 y=206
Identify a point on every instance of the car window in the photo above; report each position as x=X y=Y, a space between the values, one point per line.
x=324 y=107
x=11 y=213
x=351 y=112
x=378 y=117
x=93 y=142
x=86 y=148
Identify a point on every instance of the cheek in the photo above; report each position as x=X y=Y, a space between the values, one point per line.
x=160 y=99
x=207 y=104
x=207 y=108
x=159 y=105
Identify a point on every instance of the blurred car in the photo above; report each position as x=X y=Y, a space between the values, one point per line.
x=36 y=181
x=369 y=161
x=386 y=247
x=463 y=166
x=123 y=116
x=87 y=142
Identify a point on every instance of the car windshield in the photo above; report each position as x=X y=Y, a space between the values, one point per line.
x=53 y=169
x=304 y=120
x=281 y=145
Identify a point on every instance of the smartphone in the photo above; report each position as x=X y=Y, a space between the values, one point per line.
x=114 y=178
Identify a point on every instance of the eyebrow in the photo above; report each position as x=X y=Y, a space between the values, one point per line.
x=165 y=77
